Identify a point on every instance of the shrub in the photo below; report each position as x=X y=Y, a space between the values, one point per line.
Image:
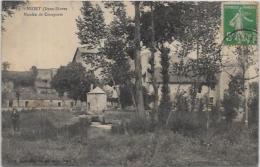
x=187 y=123
x=253 y=104
x=231 y=103
x=135 y=125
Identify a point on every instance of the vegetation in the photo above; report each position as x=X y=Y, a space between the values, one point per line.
x=218 y=147
x=231 y=103
x=165 y=103
x=178 y=137
x=74 y=80
x=91 y=25
x=8 y=8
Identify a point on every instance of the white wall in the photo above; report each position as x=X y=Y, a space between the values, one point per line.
x=96 y=102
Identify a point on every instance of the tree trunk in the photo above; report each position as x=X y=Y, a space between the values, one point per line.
x=138 y=65
x=154 y=82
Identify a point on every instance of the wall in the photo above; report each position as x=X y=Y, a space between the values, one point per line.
x=96 y=102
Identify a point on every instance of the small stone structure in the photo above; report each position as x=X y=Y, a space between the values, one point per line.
x=96 y=100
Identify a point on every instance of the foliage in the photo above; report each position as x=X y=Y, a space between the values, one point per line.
x=125 y=95
x=181 y=102
x=157 y=148
x=5 y=66
x=74 y=80
x=188 y=123
x=8 y=8
x=91 y=25
x=19 y=79
x=34 y=71
x=231 y=102
x=253 y=103
x=116 y=45
x=165 y=102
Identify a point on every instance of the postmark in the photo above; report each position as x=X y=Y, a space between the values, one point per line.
x=239 y=21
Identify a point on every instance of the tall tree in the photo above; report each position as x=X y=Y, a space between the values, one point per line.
x=116 y=48
x=152 y=62
x=165 y=103
x=91 y=25
x=117 y=43
x=138 y=65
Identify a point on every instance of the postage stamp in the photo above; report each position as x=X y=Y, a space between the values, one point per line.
x=239 y=23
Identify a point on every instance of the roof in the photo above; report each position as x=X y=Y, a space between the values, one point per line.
x=84 y=50
x=97 y=90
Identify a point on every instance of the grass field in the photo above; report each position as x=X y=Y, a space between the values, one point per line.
x=42 y=140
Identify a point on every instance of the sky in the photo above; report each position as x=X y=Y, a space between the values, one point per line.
x=43 y=41
x=49 y=42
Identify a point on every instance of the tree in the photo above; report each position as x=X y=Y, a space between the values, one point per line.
x=117 y=44
x=138 y=66
x=74 y=80
x=245 y=57
x=175 y=22
x=8 y=8
x=116 y=48
x=231 y=101
x=91 y=31
x=5 y=66
x=91 y=25
x=253 y=103
x=34 y=73
x=165 y=103
x=152 y=48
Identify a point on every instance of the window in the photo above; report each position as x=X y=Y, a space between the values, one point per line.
x=10 y=103
x=26 y=103
x=59 y=104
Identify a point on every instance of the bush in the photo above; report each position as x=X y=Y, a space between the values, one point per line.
x=135 y=125
x=253 y=104
x=231 y=103
x=187 y=123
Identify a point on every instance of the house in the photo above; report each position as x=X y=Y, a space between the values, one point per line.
x=34 y=95
x=179 y=84
x=96 y=100
x=29 y=99
x=81 y=55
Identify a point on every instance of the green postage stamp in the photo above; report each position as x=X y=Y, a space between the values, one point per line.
x=239 y=23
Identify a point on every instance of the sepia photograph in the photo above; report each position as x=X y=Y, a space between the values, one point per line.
x=129 y=83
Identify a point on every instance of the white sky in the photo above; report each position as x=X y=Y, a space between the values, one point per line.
x=44 y=41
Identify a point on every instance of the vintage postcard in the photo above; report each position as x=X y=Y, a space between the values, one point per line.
x=129 y=83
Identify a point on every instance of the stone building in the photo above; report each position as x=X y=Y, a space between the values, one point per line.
x=96 y=100
x=27 y=98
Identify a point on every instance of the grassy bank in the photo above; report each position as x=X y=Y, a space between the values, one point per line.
x=102 y=148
